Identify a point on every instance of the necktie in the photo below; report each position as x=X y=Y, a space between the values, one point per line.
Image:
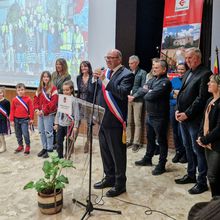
x=110 y=75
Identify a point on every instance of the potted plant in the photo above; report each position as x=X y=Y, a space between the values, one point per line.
x=50 y=187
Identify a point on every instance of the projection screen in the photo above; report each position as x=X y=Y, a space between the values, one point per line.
x=34 y=33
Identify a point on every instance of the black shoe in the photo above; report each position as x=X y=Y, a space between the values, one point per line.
x=42 y=152
x=144 y=162
x=185 y=180
x=183 y=159
x=177 y=157
x=115 y=191
x=157 y=150
x=104 y=183
x=158 y=170
x=198 y=188
x=136 y=148
x=45 y=155
x=128 y=145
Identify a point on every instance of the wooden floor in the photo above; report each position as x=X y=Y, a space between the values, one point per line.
x=158 y=193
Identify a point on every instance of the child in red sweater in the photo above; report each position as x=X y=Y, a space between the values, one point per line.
x=22 y=114
x=45 y=105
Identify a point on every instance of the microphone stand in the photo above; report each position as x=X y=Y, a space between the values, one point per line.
x=89 y=206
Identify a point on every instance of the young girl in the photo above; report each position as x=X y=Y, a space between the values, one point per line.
x=45 y=105
x=4 y=119
x=64 y=124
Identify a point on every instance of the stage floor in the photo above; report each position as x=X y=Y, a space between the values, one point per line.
x=159 y=193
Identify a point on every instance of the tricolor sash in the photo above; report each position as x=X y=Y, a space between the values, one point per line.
x=46 y=96
x=23 y=103
x=113 y=106
x=5 y=114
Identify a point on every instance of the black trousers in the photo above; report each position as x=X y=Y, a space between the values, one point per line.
x=157 y=129
x=61 y=133
x=114 y=155
x=213 y=162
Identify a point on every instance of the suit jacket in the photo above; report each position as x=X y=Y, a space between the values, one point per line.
x=213 y=137
x=120 y=86
x=89 y=88
x=194 y=93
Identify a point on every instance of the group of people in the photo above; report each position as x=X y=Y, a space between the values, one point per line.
x=190 y=102
x=21 y=111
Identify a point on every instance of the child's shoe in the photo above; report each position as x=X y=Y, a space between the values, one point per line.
x=19 y=149
x=27 y=150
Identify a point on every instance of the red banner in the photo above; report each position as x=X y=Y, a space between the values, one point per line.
x=181 y=28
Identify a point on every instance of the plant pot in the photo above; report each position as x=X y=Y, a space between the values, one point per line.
x=50 y=203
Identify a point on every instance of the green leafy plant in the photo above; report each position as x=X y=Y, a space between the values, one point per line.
x=53 y=178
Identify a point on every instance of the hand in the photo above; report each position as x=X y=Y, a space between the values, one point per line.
x=98 y=73
x=145 y=87
x=12 y=123
x=40 y=113
x=130 y=98
x=181 y=116
x=175 y=93
x=199 y=142
x=55 y=127
x=31 y=122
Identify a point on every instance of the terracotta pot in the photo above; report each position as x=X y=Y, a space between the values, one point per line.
x=50 y=203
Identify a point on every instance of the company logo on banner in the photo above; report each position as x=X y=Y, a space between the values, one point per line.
x=181 y=29
x=182 y=5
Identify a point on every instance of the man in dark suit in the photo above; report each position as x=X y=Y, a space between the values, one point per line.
x=114 y=85
x=191 y=102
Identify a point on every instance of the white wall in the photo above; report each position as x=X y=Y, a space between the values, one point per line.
x=215 y=31
x=102 y=25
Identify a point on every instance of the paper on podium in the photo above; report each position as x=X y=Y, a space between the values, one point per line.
x=65 y=105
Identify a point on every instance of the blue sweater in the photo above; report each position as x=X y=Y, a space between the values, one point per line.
x=176 y=85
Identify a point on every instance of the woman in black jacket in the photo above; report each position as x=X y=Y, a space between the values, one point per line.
x=85 y=90
x=209 y=136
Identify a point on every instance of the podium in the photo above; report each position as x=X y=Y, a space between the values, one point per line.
x=93 y=114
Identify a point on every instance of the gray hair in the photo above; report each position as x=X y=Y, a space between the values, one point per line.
x=135 y=58
x=163 y=64
x=196 y=51
x=118 y=53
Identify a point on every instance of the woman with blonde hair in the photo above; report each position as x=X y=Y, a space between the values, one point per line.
x=60 y=75
x=209 y=137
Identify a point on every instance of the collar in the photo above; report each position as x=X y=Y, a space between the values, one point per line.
x=116 y=69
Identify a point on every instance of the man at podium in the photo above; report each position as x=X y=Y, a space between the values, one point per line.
x=114 y=85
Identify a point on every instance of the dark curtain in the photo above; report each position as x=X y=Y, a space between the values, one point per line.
x=206 y=32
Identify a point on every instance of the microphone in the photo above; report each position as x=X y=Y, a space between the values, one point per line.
x=103 y=68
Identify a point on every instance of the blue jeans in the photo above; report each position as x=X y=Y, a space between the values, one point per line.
x=157 y=130
x=177 y=138
x=45 y=127
x=21 y=128
x=194 y=153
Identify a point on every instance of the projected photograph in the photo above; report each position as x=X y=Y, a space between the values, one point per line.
x=34 y=33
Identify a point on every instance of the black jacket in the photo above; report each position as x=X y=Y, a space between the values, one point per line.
x=90 y=88
x=157 y=98
x=193 y=95
x=120 y=86
x=6 y=106
x=213 y=137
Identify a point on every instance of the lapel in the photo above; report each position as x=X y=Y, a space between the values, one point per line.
x=117 y=73
x=193 y=76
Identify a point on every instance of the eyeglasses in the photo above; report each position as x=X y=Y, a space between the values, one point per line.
x=110 y=58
